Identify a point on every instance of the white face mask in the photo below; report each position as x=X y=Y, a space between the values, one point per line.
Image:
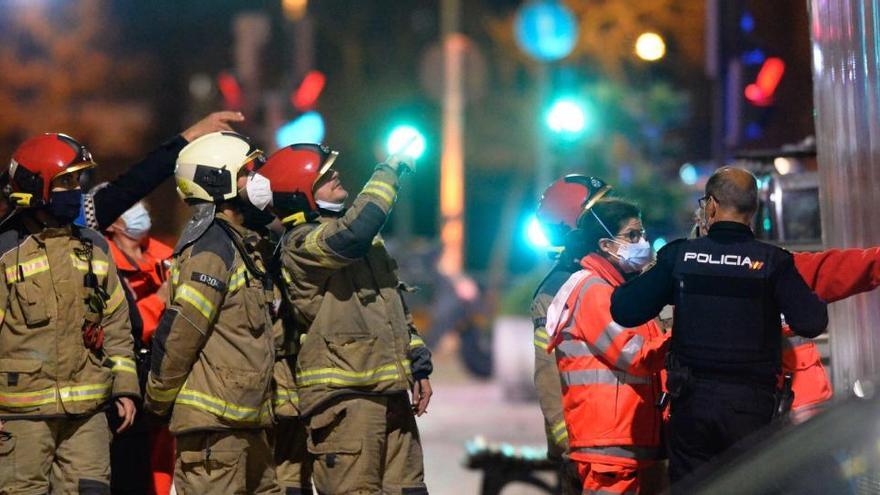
x=634 y=257
x=259 y=190
x=325 y=205
x=137 y=222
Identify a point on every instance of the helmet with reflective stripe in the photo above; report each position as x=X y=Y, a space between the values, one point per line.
x=564 y=201
x=208 y=168
x=40 y=160
x=293 y=172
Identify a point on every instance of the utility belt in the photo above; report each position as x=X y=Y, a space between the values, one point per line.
x=680 y=378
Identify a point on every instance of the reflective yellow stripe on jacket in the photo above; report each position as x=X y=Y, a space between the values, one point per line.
x=122 y=364
x=50 y=395
x=416 y=341
x=559 y=432
x=238 y=279
x=282 y=395
x=27 y=268
x=345 y=378
x=220 y=407
x=98 y=267
x=192 y=295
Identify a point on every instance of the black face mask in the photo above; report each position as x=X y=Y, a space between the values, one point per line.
x=254 y=218
x=65 y=205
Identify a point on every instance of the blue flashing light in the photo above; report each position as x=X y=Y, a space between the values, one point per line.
x=754 y=57
x=688 y=174
x=567 y=116
x=658 y=243
x=747 y=22
x=546 y=30
x=535 y=234
x=767 y=224
x=307 y=128
x=754 y=131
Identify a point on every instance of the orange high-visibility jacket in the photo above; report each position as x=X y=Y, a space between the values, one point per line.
x=833 y=274
x=610 y=374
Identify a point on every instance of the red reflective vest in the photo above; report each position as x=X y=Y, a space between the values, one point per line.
x=610 y=374
x=833 y=274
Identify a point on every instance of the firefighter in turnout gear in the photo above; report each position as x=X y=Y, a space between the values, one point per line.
x=361 y=353
x=66 y=350
x=561 y=205
x=213 y=351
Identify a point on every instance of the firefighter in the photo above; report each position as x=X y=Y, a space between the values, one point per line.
x=361 y=353
x=610 y=375
x=142 y=459
x=559 y=209
x=65 y=339
x=213 y=351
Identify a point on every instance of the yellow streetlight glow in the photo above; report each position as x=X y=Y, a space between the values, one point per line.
x=294 y=10
x=650 y=47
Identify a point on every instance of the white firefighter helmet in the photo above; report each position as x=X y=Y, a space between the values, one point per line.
x=208 y=168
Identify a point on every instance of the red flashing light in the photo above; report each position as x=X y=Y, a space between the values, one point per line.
x=760 y=93
x=230 y=90
x=306 y=95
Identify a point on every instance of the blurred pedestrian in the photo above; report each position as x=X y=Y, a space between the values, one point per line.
x=728 y=290
x=213 y=351
x=361 y=353
x=610 y=375
x=65 y=339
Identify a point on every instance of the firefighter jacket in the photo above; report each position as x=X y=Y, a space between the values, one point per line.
x=546 y=373
x=286 y=333
x=344 y=288
x=833 y=274
x=45 y=368
x=610 y=374
x=214 y=351
x=143 y=281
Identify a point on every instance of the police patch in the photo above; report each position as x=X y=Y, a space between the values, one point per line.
x=210 y=281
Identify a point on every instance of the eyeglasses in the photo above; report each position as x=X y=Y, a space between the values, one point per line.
x=632 y=236
x=705 y=200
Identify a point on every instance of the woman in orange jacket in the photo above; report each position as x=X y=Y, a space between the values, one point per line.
x=140 y=260
x=610 y=374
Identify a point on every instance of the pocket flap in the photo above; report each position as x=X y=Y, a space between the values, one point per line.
x=20 y=365
x=340 y=447
x=326 y=417
x=216 y=457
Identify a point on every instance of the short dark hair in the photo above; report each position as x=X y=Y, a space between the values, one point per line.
x=614 y=213
x=739 y=192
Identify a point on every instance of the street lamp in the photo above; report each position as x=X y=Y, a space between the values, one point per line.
x=650 y=47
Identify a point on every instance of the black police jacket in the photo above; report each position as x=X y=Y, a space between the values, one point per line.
x=729 y=291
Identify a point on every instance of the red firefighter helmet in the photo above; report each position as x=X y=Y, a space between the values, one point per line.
x=39 y=160
x=293 y=172
x=564 y=201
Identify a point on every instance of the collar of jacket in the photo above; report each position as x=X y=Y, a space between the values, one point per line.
x=730 y=231
x=249 y=238
x=603 y=268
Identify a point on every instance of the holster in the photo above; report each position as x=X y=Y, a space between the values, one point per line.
x=678 y=378
x=784 y=397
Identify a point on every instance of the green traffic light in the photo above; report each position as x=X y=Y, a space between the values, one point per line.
x=567 y=116
x=406 y=138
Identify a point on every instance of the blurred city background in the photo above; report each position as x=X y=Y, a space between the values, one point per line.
x=651 y=96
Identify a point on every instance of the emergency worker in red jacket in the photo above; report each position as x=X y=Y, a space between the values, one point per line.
x=610 y=374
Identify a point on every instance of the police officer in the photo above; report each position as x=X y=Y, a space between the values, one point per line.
x=213 y=352
x=561 y=205
x=361 y=353
x=728 y=290
x=66 y=350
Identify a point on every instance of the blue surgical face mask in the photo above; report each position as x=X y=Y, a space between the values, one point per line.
x=634 y=257
x=137 y=222
x=65 y=205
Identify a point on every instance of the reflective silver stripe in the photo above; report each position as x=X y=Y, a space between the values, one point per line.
x=797 y=340
x=629 y=352
x=603 y=377
x=625 y=451
x=611 y=330
x=571 y=348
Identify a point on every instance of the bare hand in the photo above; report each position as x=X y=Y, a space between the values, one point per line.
x=164 y=291
x=421 y=396
x=126 y=409
x=215 y=122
